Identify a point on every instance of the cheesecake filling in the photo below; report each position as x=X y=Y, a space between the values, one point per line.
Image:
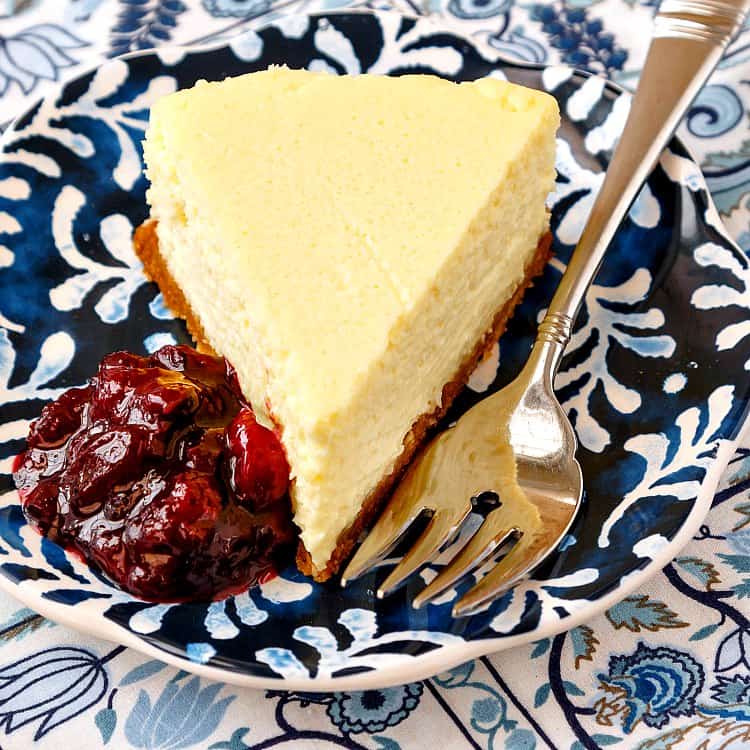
x=412 y=371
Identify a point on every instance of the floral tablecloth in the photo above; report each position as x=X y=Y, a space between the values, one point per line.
x=669 y=667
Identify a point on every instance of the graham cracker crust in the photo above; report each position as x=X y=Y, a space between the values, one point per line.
x=146 y=245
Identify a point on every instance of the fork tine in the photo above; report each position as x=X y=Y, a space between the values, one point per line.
x=530 y=550
x=417 y=491
x=475 y=552
x=390 y=527
x=441 y=528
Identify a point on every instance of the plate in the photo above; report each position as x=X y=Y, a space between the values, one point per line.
x=655 y=378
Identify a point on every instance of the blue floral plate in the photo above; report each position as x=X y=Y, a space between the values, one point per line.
x=655 y=379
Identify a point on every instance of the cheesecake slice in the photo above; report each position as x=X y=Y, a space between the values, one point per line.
x=351 y=245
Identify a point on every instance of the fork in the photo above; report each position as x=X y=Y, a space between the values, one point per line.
x=518 y=443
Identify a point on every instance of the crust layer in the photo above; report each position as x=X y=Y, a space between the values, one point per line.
x=147 y=248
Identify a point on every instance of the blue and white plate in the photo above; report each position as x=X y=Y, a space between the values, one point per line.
x=656 y=378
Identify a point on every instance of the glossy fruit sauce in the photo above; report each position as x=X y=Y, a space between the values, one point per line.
x=158 y=473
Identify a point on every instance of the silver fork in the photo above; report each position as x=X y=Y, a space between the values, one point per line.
x=518 y=443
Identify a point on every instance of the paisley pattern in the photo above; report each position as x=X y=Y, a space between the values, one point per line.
x=71 y=190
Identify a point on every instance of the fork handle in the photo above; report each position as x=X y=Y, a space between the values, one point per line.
x=689 y=37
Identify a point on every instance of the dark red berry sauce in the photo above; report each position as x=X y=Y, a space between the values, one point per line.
x=158 y=473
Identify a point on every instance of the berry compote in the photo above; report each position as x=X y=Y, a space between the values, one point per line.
x=158 y=472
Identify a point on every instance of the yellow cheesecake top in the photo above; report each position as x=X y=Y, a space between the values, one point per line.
x=328 y=253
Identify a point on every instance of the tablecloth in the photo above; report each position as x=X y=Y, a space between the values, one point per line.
x=668 y=667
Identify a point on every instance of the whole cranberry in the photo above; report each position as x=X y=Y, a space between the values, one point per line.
x=257 y=467
x=59 y=419
x=40 y=507
x=148 y=396
x=179 y=520
x=152 y=576
x=101 y=460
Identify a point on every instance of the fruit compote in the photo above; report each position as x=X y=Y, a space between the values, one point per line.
x=159 y=474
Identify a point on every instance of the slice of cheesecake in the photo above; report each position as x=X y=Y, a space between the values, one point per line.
x=351 y=245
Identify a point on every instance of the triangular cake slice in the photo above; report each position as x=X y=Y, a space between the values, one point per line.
x=350 y=244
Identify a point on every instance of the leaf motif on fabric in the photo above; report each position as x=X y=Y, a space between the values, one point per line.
x=540 y=648
x=106 y=721
x=142 y=672
x=703 y=570
x=740 y=563
x=140 y=25
x=704 y=632
x=641 y=612
x=668 y=740
x=21 y=623
x=584 y=644
x=744 y=510
x=234 y=742
x=541 y=695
